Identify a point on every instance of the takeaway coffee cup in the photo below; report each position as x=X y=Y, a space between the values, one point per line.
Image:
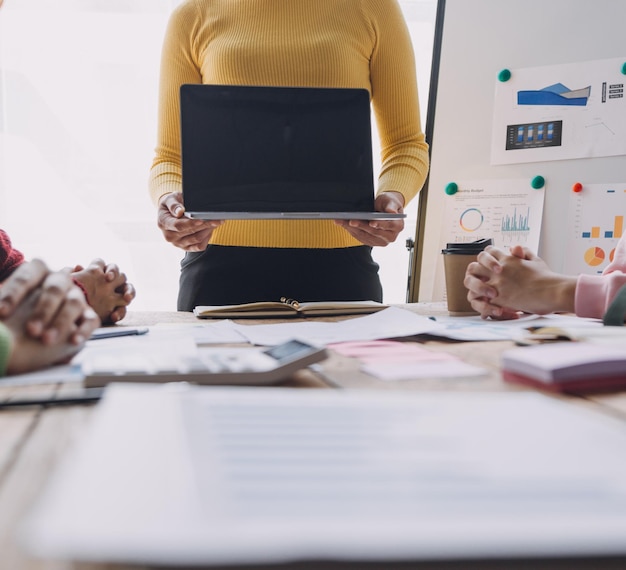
x=456 y=258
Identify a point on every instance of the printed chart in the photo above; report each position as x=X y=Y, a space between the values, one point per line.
x=507 y=211
x=557 y=112
x=595 y=225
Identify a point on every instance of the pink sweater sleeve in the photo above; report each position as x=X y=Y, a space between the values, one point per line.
x=594 y=293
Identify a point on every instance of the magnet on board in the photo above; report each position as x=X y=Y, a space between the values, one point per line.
x=578 y=187
x=538 y=182
x=504 y=75
x=452 y=188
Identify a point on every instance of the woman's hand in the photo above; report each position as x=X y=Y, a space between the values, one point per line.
x=378 y=232
x=501 y=284
x=187 y=234
x=75 y=319
x=58 y=309
x=47 y=316
x=108 y=291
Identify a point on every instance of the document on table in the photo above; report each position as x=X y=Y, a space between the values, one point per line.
x=66 y=373
x=218 y=332
x=219 y=476
x=388 y=323
x=475 y=328
x=393 y=360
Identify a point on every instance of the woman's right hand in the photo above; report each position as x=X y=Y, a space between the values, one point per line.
x=47 y=316
x=187 y=234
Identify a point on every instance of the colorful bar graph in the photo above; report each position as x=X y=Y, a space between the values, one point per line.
x=615 y=233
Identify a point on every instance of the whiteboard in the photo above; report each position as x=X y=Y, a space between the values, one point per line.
x=475 y=40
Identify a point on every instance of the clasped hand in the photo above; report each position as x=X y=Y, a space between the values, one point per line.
x=46 y=314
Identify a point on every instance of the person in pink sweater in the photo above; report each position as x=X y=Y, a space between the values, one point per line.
x=502 y=284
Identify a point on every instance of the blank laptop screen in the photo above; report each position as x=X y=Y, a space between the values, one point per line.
x=266 y=149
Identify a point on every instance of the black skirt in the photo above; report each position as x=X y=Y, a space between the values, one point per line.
x=225 y=275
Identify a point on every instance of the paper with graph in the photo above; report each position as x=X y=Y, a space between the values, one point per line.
x=596 y=219
x=507 y=211
x=557 y=112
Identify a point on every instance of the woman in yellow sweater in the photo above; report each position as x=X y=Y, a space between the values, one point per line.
x=297 y=43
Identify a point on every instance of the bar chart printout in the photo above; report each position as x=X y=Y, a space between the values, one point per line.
x=595 y=225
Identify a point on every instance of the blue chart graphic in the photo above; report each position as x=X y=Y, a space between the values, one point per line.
x=515 y=227
x=534 y=135
x=556 y=94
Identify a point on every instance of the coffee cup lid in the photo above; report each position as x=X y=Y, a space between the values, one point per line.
x=468 y=248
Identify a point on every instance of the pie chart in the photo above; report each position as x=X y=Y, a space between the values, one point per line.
x=471 y=219
x=594 y=256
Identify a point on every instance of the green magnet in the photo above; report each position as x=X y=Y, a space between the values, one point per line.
x=538 y=182
x=504 y=75
x=452 y=188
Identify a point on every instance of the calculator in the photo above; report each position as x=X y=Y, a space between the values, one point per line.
x=246 y=366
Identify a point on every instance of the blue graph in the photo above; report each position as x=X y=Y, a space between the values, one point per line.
x=516 y=226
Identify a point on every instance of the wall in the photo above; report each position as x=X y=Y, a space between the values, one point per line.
x=475 y=39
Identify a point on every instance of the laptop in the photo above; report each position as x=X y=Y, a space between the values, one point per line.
x=255 y=152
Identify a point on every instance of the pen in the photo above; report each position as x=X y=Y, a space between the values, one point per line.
x=110 y=332
x=89 y=395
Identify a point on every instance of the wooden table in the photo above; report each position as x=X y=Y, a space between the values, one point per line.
x=32 y=440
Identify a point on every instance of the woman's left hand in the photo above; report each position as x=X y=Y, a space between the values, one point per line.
x=378 y=232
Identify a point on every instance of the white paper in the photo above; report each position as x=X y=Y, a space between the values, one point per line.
x=595 y=223
x=217 y=332
x=509 y=211
x=236 y=476
x=66 y=373
x=546 y=127
x=475 y=328
x=388 y=323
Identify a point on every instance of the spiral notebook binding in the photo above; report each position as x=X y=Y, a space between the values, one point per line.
x=291 y=302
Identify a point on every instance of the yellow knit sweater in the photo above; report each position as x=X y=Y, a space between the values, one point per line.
x=302 y=43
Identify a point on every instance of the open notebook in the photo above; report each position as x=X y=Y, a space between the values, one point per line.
x=219 y=476
x=287 y=308
x=255 y=152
